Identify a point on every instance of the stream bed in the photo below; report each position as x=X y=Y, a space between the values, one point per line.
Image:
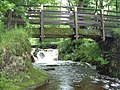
x=68 y=75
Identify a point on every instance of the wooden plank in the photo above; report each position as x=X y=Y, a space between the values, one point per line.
x=68 y=21
x=60 y=16
x=89 y=23
x=88 y=15
x=57 y=36
x=112 y=16
x=52 y=36
x=59 y=6
x=58 y=29
x=58 y=22
x=110 y=20
x=58 y=13
x=89 y=18
x=97 y=24
x=112 y=26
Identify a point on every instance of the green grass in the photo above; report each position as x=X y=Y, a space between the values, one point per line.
x=16 y=41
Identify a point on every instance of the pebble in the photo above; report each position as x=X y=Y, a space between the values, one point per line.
x=106 y=86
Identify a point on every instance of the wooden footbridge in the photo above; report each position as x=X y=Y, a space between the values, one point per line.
x=66 y=21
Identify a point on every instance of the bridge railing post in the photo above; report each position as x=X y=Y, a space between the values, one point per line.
x=76 y=22
x=102 y=24
x=41 y=24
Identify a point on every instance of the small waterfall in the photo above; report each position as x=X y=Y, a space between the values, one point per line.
x=44 y=56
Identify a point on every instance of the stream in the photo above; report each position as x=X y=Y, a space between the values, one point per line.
x=68 y=75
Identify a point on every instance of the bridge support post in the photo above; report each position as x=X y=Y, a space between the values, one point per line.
x=102 y=24
x=41 y=25
x=76 y=22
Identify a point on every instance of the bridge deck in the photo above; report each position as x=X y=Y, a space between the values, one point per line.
x=67 y=21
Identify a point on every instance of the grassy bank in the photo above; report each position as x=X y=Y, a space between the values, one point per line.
x=17 y=72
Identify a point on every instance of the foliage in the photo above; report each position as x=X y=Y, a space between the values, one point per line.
x=116 y=32
x=85 y=50
x=16 y=40
x=92 y=3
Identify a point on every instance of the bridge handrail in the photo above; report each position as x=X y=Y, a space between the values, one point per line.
x=100 y=19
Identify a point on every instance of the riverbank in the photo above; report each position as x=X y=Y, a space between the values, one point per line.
x=16 y=69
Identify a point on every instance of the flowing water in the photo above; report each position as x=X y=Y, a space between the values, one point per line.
x=68 y=75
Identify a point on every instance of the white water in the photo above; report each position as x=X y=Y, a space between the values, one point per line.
x=45 y=56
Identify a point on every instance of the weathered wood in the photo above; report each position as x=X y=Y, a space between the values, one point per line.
x=111 y=26
x=55 y=21
x=110 y=20
x=90 y=18
x=97 y=19
x=88 y=15
x=58 y=22
x=42 y=24
x=111 y=16
x=52 y=36
x=60 y=16
x=102 y=25
x=76 y=23
x=58 y=13
x=59 y=6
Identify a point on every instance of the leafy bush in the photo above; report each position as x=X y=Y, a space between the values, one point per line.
x=16 y=40
x=85 y=50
